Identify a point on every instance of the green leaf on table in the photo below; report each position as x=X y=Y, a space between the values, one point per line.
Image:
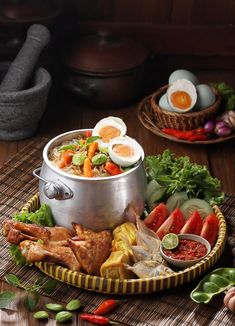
x=31 y=300
x=5 y=298
x=13 y=280
x=49 y=286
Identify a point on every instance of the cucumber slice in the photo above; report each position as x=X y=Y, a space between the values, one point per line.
x=196 y=204
x=152 y=186
x=155 y=197
x=176 y=200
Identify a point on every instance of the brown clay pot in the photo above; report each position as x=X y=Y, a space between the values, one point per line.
x=105 y=70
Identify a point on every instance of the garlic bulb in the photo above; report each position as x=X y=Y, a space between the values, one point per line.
x=229 y=118
x=229 y=299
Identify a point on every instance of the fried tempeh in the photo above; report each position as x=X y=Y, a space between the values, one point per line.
x=35 y=251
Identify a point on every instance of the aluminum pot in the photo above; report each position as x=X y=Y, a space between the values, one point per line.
x=96 y=203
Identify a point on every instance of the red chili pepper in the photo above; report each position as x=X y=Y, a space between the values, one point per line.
x=198 y=137
x=178 y=133
x=112 y=168
x=106 y=306
x=190 y=135
x=96 y=319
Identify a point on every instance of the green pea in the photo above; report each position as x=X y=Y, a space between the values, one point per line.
x=219 y=280
x=78 y=159
x=210 y=287
x=63 y=316
x=99 y=159
x=41 y=315
x=73 y=305
x=54 y=307
x=200 y=297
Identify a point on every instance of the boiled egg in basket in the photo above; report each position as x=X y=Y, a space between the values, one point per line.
x=182 y=95
x=108 y=129
x=125 y=151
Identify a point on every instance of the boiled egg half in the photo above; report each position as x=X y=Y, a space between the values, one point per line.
x=182 y=95
x=125 y=151
x=108 y=129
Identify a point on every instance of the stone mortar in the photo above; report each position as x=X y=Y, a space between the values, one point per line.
x=21 y=111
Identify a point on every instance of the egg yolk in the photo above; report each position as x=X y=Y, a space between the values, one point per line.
x=123 y=150
x=181 y=100
x=109 y=132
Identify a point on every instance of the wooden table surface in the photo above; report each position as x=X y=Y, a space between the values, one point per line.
x=65 y=112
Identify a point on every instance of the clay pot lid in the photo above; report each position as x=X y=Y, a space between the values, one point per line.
x=105 y=53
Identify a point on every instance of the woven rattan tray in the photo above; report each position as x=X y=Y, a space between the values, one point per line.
x=132 y=286
x=149 y=120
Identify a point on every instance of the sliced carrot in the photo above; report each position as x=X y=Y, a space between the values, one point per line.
x=93 y=147
x=66 y=158
x=87 y=168
x=112 y=168
x=88 y=133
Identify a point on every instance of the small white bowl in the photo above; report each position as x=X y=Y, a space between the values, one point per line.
x=187 y=263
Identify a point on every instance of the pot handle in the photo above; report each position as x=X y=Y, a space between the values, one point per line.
x=54 y=189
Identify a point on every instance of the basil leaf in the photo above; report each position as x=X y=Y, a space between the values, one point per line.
x=66 y=147
x=91 y=139
x=13 y=280
x=31 y=301
x=49 y=286
x=5 y=298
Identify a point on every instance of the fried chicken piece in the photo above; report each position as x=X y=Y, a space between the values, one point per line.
x=25 y=231
x=18 y=231
x=92 y=253
x=34 y=251
x=82 y=232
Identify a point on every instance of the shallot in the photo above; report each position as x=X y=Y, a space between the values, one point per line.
x=209 y=127
x=222 y=128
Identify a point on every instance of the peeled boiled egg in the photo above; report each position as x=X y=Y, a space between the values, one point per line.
x=108 y=129
x=182 y=95
x=205 y=96
x=182 y=74
x=164 y=104
x=125 y=151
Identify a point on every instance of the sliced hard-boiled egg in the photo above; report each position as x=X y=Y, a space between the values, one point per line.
x=163 y=103
x=182 y=95
x=108 y=129
x=183 y=74
x=125 y=151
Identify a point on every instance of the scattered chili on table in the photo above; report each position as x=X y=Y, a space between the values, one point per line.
x=106 y=306
x=96 y=319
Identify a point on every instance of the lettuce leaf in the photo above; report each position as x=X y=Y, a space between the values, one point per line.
x=179 y=174
x=42 y=216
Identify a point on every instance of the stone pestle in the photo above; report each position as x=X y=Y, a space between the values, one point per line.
x=21 y=69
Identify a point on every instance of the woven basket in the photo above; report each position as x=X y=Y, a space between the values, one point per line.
x=182 y=121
